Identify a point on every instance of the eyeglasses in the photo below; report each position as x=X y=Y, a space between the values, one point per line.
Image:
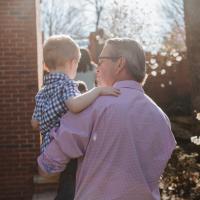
x=113 y=58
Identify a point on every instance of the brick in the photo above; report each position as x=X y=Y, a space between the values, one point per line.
x=19 y=144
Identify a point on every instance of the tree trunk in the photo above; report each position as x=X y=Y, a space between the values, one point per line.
x=192 y=24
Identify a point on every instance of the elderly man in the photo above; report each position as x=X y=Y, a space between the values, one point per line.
x=122 y=143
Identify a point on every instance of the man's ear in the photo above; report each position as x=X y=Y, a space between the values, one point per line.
x=120 y=64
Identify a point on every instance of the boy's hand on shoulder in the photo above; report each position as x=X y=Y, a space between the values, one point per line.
x=105 y=91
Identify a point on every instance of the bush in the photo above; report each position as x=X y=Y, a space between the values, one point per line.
x=181 y=179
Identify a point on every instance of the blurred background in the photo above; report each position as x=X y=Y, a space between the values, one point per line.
x=169 y=31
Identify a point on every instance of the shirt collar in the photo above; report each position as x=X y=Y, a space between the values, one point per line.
x=54 y=77
x=129 y=84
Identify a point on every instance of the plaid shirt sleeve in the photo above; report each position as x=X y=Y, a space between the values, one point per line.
x=37 y=110
x=55 y=107
x=70 y=89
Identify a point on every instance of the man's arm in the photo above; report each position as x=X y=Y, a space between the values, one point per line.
x=70 y=141
x=79 y=103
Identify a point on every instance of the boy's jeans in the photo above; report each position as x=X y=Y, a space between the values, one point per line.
x=67 y=181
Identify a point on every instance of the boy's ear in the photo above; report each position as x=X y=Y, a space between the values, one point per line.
x=74 y=62
x=45 y=67
x=68 y=62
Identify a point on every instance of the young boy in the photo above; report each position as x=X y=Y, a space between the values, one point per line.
x=60 y=93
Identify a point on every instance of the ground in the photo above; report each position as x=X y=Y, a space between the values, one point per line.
x=44 y=196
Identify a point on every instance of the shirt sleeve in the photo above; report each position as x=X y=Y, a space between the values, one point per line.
x=70 y=89
x=37 y=110
x=70 y=140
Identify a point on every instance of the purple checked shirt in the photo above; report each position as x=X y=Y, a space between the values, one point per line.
x=122 y=144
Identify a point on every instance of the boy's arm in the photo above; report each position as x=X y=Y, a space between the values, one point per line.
x=78 y=103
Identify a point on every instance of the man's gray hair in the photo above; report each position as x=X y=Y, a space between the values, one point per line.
x=133 y=53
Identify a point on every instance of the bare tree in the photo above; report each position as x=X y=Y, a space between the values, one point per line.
x=116 y=17
x=173 y=10
x=175 y=39
x=96 y=7
x=121 y=19
x=58 y=17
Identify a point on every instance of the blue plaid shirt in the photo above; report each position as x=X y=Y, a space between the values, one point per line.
x=50 y=103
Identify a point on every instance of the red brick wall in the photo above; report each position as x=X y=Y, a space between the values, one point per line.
x=19 y=145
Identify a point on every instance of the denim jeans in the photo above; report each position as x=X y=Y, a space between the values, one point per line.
x=67 y=181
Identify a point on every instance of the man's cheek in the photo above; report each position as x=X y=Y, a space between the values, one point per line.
x=100 y=80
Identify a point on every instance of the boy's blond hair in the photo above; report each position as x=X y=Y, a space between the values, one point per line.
x=58 y=49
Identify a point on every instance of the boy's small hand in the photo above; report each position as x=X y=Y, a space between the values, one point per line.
x=104 y=91
x=35 y=124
